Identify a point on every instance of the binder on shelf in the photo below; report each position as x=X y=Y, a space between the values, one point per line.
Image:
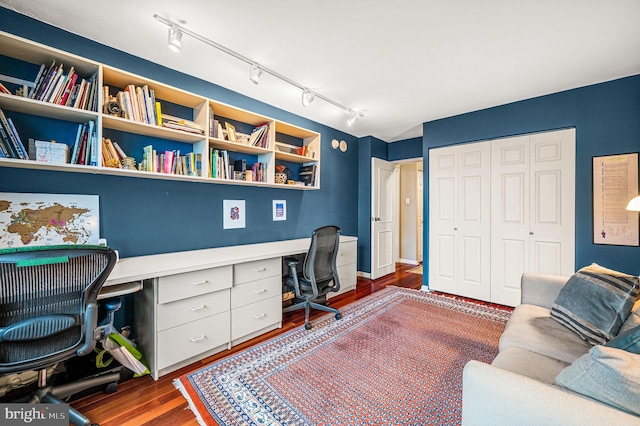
x=308 y=175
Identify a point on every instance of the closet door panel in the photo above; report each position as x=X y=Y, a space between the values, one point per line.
x=442 y=224
x=510 y=218
x=552 y=225
x=474 y=221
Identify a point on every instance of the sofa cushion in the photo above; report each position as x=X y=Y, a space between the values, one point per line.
x=609 y=375
x=595 y=302
x=633 y=320
x=530 y=364
x=627 y=341
x=530 y=327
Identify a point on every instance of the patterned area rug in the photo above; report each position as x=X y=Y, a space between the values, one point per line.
x=396 y=357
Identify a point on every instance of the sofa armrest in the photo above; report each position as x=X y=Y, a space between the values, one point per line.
x=492 y=396
x=540 y=289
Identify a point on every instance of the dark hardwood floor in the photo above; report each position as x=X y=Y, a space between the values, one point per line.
x=143 y=401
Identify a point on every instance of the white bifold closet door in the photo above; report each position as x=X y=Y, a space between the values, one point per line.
x=459 y=220
x=533 y=210
x=498 y=209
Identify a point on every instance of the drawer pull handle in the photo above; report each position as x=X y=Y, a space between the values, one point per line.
x=261 y=269
x=259 y=316
x=259 y=291
x=201 y=282
x=195 y=339
x=197 y=308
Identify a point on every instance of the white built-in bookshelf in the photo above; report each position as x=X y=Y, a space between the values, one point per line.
x=284 y=145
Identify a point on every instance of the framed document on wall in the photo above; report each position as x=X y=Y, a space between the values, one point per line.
x=615 y=182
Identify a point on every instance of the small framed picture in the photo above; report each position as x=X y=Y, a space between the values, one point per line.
x=233 y=214
x=231 y=132
x=279 y=209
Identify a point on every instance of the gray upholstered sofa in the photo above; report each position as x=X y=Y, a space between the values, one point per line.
x=518 y=387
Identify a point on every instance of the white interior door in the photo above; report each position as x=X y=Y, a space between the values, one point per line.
x=384 y=221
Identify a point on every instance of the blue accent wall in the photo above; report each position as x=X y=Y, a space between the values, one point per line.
x=141 y=216
x=368 y=147
x=405 y=149
x=607 y=121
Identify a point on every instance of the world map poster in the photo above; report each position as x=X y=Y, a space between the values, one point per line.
x=48 y=219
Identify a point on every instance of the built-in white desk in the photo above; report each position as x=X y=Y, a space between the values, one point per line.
x=196 y=303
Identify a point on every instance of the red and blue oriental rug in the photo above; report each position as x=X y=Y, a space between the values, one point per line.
x=396 y=357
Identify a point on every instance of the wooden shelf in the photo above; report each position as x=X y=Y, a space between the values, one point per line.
x=197 y=106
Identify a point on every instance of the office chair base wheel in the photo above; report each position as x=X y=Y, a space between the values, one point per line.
x=111 y=388
x=338 y=316
x=307 y=326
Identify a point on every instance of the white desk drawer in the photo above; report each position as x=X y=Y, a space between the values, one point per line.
x=194 y=308
x=251 y=271
x=347 y=253
x=189 y=284
x=256 y=291
x=247 y=319
x=182 y=342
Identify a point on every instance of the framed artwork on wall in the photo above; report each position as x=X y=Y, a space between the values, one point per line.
x=615 y=182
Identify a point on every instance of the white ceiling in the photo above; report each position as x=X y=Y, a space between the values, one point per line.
x=400 y=62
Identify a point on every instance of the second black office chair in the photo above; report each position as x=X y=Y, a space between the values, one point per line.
x=319 y=276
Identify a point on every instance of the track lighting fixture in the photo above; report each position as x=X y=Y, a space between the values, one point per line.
x=175 y=42
x=255 y=73
x=175 y=39
x=353 y=117
x=307 y=97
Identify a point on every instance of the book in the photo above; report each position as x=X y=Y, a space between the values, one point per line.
x=46 y=78
x=22 y=150
x=158 y=114
x=37 y=81
x=119 y=151
x=48 y=152
x=76 y=144
x=67 y=90
x=3 y=89
x=10 y=138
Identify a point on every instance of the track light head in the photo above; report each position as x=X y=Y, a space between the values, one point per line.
x=307 y=97
x=255 y=73
x=175 y=39
x=353 y=117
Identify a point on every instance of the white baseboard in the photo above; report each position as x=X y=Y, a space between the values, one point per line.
x=425 y=288
x=364 y=274
x=409 y=261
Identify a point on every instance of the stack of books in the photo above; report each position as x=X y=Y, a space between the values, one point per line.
x=138 y=104
x=56 y=86
x=112 y=154
x=182 y=124
x=85 y=147
x=260 y=136
x=170 y=162
x=10 y=143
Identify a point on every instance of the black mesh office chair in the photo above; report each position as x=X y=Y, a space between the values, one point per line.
x=319 y=276
x=49 y=313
